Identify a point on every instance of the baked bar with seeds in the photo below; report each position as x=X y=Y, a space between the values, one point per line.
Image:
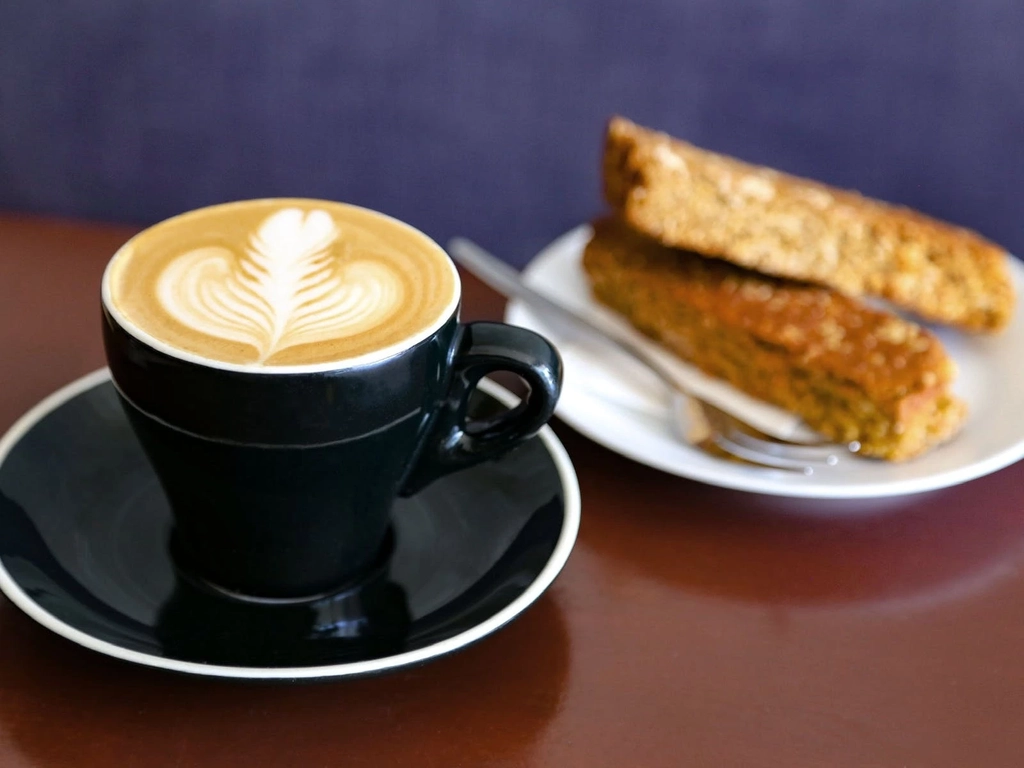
x=851 y=372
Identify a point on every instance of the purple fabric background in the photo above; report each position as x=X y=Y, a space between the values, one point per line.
x=485 y=118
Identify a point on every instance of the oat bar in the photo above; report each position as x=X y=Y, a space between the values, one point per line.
x=851 y=372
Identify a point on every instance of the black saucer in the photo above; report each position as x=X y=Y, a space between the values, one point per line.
x=85 y=549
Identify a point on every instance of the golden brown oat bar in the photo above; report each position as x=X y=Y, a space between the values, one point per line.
x=851 y=372
x=783 y=225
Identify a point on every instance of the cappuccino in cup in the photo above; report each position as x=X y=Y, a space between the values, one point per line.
x=290 y=368
x=271 y=283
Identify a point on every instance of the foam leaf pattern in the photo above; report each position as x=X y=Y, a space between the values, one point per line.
x=291 y=286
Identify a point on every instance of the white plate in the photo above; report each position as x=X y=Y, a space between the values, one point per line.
x=617 y=403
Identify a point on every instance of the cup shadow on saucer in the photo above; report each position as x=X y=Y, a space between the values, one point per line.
x=366 y=619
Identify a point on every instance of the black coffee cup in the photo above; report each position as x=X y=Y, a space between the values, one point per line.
x=281 y=483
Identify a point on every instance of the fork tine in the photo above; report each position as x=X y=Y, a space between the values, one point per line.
x=742 y=441
x=708 y=428
x=822 y=454
x=760 y=459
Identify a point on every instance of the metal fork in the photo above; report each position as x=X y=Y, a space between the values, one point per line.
x=695 y=421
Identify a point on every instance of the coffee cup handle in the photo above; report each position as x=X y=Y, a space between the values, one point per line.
x=482 y=348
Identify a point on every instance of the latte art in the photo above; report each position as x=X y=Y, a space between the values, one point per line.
x=300 y=284
x=286 y=289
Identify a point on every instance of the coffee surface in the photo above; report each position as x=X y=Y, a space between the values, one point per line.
x=282 y=282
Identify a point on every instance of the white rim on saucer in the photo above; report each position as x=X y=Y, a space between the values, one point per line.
x=558 y=558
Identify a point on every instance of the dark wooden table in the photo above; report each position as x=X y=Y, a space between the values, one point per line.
x=692 y=625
